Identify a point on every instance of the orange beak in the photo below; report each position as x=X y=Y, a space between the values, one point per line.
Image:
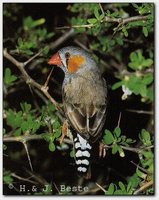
x=55 y=60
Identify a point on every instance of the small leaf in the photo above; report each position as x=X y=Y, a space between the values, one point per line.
x=111 y=189
x=17 y=132
x=147 y=63
x=57 y=133
x=133 y=56
x=145 y=135
x=117 y=131
x=148 y=79
x=117 y=85
x=129 y=186
x=7 y=179
x=96 y=13
x=52 y=146
x=46 y=50
x=101 y=17
x=108 y=137
x=141 y=174
x=72 y=153
x=8 y=77
x=145 y=31
x=92 y=20
x=130 y=141
x=114 y=149
x=122 y=186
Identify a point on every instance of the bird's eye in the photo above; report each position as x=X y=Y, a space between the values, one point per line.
x=67 y=55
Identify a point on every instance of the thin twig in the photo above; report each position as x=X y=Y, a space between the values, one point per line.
x=32 y=58
x=62 y=39
x=144 y=187
x=100 y=5
x=23 y=179
x=31 y=81
x=27 y=152
x=132 y=149
x=144 y=170
x=120 y=21
x=101 y=187
x=48 y=78
x=27 y=138
x=119 y=119
x=140 y=111
x=57 y=188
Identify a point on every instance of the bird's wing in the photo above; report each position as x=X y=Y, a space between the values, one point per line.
x=86 y=120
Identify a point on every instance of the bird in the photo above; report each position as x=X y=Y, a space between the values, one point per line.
x=84 y=96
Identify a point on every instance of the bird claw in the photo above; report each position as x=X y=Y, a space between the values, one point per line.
x=102 y=150
x=64 y=131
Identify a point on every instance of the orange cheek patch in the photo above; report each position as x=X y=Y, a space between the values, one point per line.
x=74 y=63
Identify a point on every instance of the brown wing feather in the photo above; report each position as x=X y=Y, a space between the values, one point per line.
x=85 y=112
x=78 y=120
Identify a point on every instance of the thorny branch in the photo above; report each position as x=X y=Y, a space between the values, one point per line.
x=120 y=21
x=144 y=187
x=29 y=80
x=68 y=141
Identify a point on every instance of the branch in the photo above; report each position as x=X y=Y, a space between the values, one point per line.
x=144 y=187
x=29 y=80
x=23 y=179
x=101 y=188
x=62 y=39
x=26 y=138
x=140 y=111
x=120 y=21
x=132 y=149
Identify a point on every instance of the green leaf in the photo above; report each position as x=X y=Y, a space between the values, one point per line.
x=57 y=133
x=7 y=179
x=8 y=77
x=141 y=174
x=122 y=186
x=52 y=146
x=72 y=153
x=130 y=141
x=18 y=132
x=46 y=50
x=117 y=131
x=145 y=31
x=146 y=138
x=124 y=30
x=96 y=13
x=129 y=186
x=134 y=180
x=147 y=63
x=133 y=56
x=101 y=17
x=148 y=79
x=108 y=137
x=30 y=23
x=92 y=20
x=111 y=189
x=114 y=148
x=117 y=85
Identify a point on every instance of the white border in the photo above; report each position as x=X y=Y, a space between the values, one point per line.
x=156 y=100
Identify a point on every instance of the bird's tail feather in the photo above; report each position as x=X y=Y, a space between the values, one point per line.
x=82 y=154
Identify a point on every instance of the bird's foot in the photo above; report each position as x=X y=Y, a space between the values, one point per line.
x=64 y=131
x=102 y=150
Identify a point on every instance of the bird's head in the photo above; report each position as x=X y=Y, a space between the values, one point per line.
x=71 y=59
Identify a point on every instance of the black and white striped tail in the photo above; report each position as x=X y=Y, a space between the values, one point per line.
x=82 y=154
